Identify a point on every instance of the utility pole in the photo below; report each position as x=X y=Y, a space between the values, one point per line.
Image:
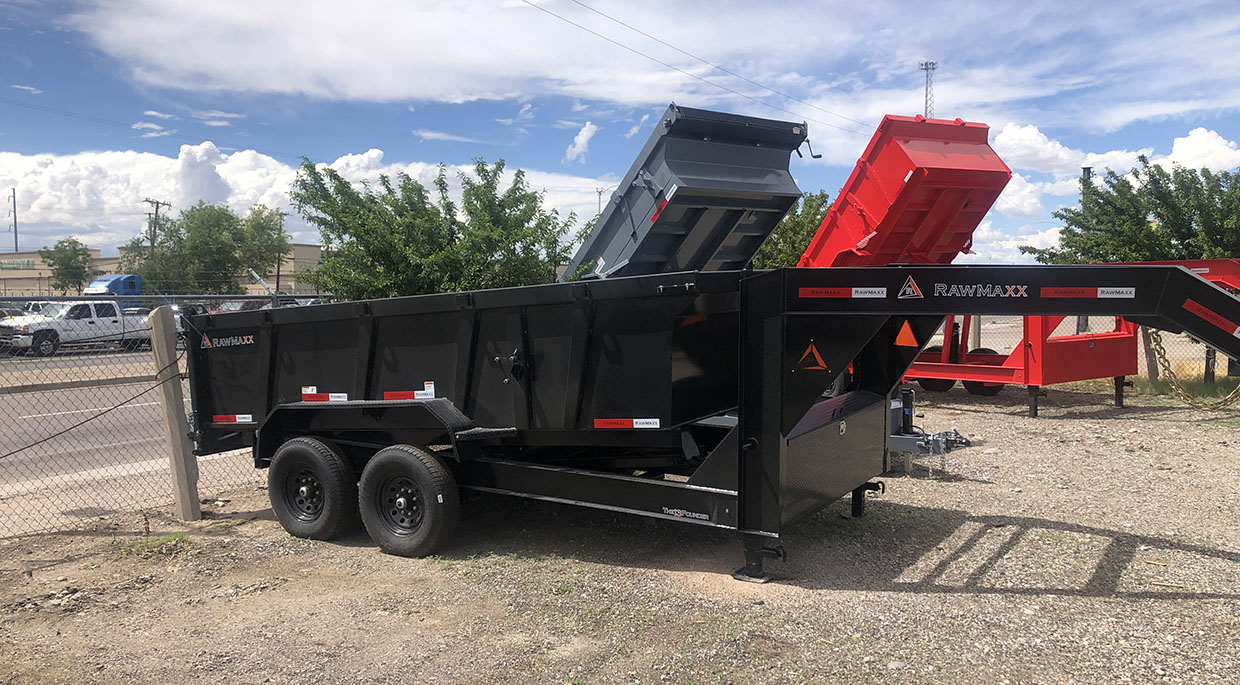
x=14 y=213
x=929 y=68
x=600 y=199
x=152 y=223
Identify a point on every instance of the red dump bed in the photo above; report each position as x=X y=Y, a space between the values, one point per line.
x=915 y=196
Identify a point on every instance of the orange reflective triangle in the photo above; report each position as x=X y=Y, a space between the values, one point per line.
x=815 y=362
x=905 y=337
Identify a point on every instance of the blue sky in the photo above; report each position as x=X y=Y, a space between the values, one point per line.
x=104 y=103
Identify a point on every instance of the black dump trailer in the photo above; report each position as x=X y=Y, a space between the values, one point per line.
x=736 y=399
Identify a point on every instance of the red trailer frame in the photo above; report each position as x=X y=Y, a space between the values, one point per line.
x=1042 y=358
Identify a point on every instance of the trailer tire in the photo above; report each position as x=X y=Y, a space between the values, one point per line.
x=409 y=501
x=936 y=384
x=312 y=489
x=979 y=388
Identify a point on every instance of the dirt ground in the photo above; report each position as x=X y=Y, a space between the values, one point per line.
x=1089 y=545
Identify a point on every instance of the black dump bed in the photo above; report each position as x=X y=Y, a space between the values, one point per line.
x=704 y=193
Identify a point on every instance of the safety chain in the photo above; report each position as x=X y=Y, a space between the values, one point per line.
x=1174 y=382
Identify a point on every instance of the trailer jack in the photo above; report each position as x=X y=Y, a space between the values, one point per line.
x=858 y=498
x=756 y=550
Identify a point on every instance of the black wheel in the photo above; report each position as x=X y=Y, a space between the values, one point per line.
x=45 y=343
x=979 y=388
x=312 y=489
x=409 y=501
x=935 y=384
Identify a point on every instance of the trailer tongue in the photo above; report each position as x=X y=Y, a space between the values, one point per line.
x=694 y=396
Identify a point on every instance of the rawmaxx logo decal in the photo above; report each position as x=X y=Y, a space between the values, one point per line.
x=980 y=290
x=909 y=291
x=226 y=341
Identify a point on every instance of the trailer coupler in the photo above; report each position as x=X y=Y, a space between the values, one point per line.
x=757 y=551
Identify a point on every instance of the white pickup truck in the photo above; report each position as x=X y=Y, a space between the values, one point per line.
x=73 y=323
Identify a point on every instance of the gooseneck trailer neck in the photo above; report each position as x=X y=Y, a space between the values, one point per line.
x=737 y=399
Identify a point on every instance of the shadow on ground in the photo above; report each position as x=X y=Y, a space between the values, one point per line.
x=895 y=548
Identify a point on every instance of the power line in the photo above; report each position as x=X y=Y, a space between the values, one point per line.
x=673 y=67
x=716 y=66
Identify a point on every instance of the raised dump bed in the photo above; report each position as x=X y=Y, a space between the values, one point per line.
x=915 y=197
x=704 y=193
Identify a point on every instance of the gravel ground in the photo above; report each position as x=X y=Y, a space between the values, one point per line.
x=1089 y=545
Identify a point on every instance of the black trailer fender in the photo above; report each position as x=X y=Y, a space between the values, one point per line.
x=375 y=423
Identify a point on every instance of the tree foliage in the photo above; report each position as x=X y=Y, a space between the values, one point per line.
x=69 y=261
x=399 y=238
x=790 y=238
x=207 y=249
x=1149 y=214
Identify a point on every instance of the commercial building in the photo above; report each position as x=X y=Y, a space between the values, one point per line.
x=25 y=274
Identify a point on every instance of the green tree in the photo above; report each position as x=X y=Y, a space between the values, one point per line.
x=207 y=249
x=1149 y=214
x=786 y=244
x=69 y=261
x=399 y=238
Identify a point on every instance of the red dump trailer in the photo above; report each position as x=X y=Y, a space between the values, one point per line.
x=917 y=194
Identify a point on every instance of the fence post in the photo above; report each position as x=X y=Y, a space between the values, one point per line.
x=1151 y=362
x=176 y=426
x=975 y=333
x=1211 y=357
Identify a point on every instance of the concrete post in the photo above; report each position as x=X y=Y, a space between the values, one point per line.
x=176 y=426
x=975 y=333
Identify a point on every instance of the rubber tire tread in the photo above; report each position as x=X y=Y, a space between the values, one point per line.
x=38 y=340
x=935 y=384
x=982 y=389
x=432 y=478
x=338 y=482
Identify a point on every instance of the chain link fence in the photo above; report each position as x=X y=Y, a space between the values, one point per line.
x=83 y=433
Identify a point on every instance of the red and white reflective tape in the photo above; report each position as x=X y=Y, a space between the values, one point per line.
x=655 y=217
x=232 y=418
x=626 y=423
x=846 y=293
x=426 y=393
x=1216 y=319
x=1090 y=293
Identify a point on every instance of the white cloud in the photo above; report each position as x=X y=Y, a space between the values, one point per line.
x=1026 y=147
x=151 y=129
x=29 y=89
x=993 y=246
x=1020 y=198
x=637 y=127
x=424 y=135
x=997 y=63
x=158 y=114
x=1203 y=148
x=215 y=114
x=216 y=122
x=525 y=114
x=97 y=196
x=581 y=144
